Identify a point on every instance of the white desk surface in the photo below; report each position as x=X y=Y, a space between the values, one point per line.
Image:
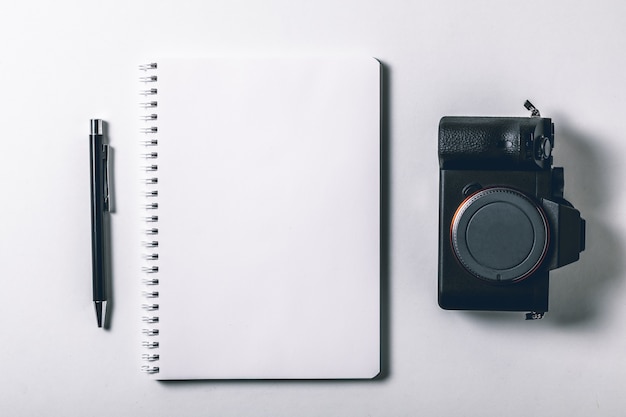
x=64 y=62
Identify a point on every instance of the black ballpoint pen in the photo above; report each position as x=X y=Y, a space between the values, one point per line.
x=99 y=154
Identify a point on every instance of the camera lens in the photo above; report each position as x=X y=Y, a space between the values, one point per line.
x=500 y=235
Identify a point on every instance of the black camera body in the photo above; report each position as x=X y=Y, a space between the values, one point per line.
x=503 y=221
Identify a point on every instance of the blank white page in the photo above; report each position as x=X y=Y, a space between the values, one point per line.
x=269 y=218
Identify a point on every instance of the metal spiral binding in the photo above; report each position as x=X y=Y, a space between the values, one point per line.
x=150 y=270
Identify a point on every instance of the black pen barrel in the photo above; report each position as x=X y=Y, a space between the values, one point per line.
x=97 y=165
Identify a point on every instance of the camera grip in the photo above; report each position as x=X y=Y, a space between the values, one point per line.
x=490 y=142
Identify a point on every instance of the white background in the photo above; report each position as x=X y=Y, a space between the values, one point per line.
x=64 y=62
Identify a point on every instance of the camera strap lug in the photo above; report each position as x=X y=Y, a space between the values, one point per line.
x=534 y=112
x=533 y=315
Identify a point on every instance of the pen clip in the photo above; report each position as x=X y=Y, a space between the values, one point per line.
x=107 y=195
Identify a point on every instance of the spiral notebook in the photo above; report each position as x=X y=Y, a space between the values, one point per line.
x=262 y=254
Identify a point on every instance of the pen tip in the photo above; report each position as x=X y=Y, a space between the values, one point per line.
x=100 y=311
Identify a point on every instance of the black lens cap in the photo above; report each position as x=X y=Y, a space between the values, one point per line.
x=499 y=234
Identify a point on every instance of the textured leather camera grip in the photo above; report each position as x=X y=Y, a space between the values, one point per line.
x=489 y=142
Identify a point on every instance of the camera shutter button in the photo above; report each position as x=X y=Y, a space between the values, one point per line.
x=544 y=148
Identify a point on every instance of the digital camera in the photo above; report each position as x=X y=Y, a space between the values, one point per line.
x=503 y=221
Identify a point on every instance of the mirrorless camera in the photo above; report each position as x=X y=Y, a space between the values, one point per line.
x=503 y=221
